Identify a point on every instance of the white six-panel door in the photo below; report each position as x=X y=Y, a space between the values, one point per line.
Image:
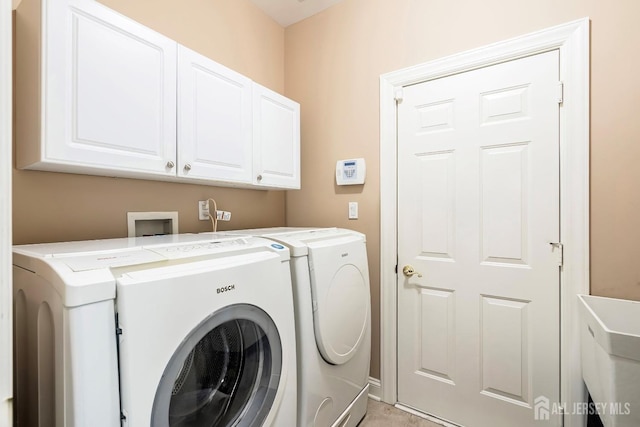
x=478 y=209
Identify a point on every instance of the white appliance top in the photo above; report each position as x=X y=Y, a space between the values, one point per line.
x=299 y=239
x=83 y=272
x=46 y=250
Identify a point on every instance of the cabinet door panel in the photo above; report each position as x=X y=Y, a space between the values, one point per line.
x=118 y=91
x=276 y=139
x=214 y=120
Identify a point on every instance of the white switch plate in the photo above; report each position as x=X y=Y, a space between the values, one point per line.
x=353 y=210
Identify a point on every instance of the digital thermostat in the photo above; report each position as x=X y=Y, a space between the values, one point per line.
x=350 y=172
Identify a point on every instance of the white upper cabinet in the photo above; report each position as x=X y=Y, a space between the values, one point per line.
x=214 y=120
x=276 y=139
x=107 y=99
x=100 y=94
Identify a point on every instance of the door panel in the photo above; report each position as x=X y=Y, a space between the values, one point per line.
x=437 y=334
x=438 y=204
x=478 y=173
x=505 y=348
x=504 y=203
x=111 y=91
x=214 y=120
x=276 y=139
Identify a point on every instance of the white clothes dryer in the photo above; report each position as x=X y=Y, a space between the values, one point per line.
x=333 y=318
x=179 y=330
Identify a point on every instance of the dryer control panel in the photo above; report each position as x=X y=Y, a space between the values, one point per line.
x=197 y=249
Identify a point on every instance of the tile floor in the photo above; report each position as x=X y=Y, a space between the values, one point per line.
x=382 y=415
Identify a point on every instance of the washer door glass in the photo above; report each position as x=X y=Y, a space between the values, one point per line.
x=225 y=373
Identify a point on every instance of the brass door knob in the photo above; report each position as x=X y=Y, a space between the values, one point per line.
x=409 y=271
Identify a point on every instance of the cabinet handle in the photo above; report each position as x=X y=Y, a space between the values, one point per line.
x=259 y=177
x=187 y=167
x=170 y=164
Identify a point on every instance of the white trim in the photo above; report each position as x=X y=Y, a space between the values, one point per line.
x=6 y=296
x=375 y=389
x=572 y=40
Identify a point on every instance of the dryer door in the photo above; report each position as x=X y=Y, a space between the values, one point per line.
x=226 y=372
x=341 y=298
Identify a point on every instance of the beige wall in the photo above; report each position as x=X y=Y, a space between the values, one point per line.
x=55 y=207
x=333 y=63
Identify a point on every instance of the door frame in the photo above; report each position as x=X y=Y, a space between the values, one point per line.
x=572 y=41
x=6 y=164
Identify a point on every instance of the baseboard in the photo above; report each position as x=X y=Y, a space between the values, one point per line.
x=375 y=389
x=6 y=412
x=425 y=416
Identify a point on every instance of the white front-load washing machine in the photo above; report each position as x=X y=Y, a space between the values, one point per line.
x=180 y=331
x=333 y=318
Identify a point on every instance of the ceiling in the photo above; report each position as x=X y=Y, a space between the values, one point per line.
x=287 y=12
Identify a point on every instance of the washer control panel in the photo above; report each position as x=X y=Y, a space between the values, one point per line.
x=197 y=249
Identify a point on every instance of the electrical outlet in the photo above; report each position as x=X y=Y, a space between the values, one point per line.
x=203 y=210
x=223 y=215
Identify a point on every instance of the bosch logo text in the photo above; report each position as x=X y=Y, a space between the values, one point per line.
x=226 y=288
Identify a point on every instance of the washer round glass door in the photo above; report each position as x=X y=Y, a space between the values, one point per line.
x=225 y=373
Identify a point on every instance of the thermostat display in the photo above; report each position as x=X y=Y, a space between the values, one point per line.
x=350 y=172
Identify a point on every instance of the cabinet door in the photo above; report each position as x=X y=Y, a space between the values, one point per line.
x=276 y=139
x=214 y=120
x=110 y=92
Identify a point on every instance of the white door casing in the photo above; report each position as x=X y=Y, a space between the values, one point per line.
x=6 y=296
x=478 y=205
x=572 y=41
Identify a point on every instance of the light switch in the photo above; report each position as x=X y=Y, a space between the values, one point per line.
x=353 y=210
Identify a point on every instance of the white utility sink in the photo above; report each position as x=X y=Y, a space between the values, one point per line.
x=610 y=347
